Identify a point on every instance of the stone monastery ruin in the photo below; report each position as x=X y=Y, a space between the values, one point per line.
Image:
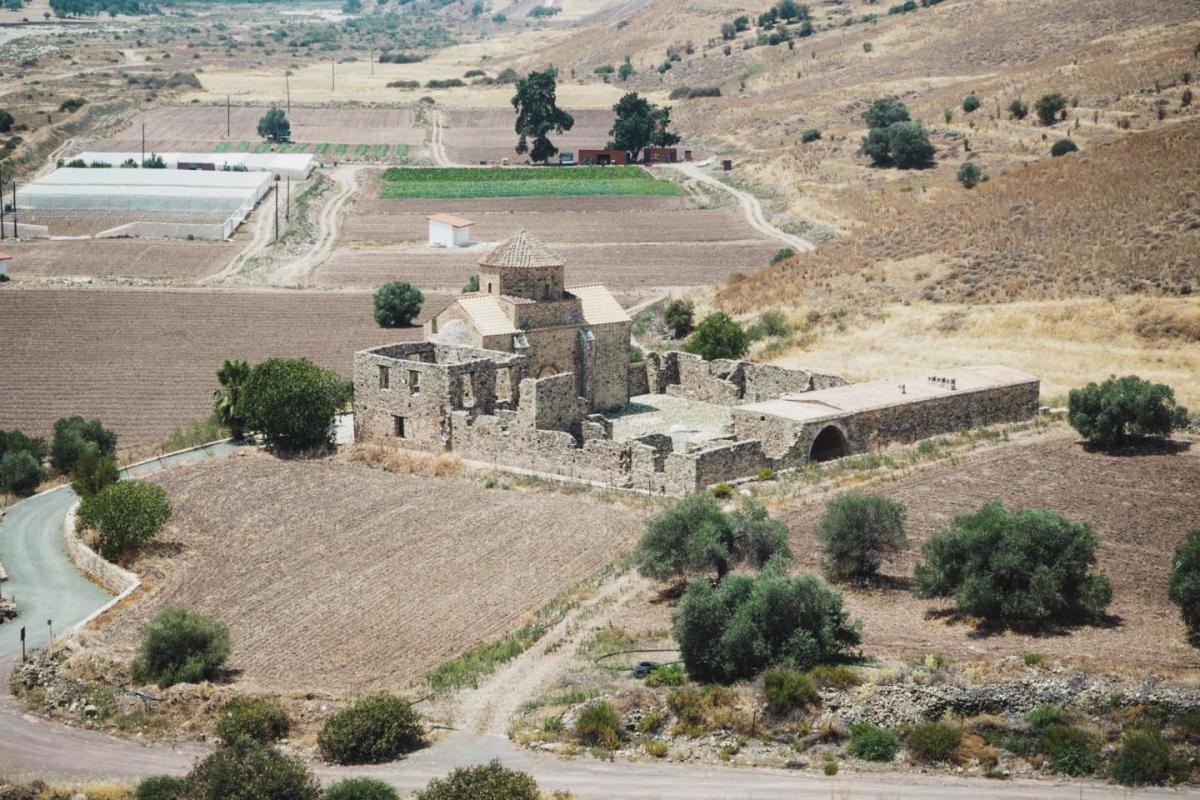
x=530 y=374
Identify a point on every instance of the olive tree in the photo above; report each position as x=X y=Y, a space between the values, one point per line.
x=292 y=403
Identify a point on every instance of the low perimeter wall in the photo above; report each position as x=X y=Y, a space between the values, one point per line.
x=115 y=579
x=210 y=232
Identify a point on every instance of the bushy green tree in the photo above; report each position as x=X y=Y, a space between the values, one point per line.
x=397 y=304
x=1018 y=109
x=1122 y=409
x=491 y=781
x=698 y=536
x=70 y=436
x=746 y=624
x=125 y=515
x=361 y=789
x=20 y=473
x=252 y=772
x=909 y=145
x=639 y=124
x=970 y=175
x=179 y=646
x=93 y=471
x=538 y=115
x=679 y=317
x=6 y=121
x=971 y=103
x=810 y=135
x=292 y=403
x=226 y=399
x=859 y=531
x=886 y=111
x=626 y=70
x=1184 y=587
x=1062 y=147
x=274 y=126
x=256 y=719
x=14 y=440
x=1049 y=107
x=374 y=729
x=1021 y=569
x=718 y=336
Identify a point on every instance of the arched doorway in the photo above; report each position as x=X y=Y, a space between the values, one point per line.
x=829 y=444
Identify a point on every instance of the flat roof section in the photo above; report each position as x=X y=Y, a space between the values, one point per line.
x=872 y=395
x=451 y=220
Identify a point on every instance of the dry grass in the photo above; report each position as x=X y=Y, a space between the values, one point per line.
x=1065 y=343
x=408 y=462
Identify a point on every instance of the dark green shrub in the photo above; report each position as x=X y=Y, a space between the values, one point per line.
x=180 y=647
x=1184 y=588
x=666 y=675
x=20 y=473
x=1046 y=716
x=679 y=316
x=971 y=103
x=933 y=741
x=1143 y=759
x=1071 y=751
x=1049 y=107
x=783 y=254
x=810 y=135
x=859 y=531
x=970 y=175
x=872 y=743
x=485 y=782
x=227 y=397
x=397 y=304
x=361 y=789
x=161 y=787
x=1018 y=109
x=746 y=624
x=93 y=471
x=374 y=729
x=598 y=726
x=770 y=323
x=902 y=144
x=14 y=441
x=718 y=336
x=252 y=772
x=1023 y=568
x=886 y=111
x=472 y=285
x=70 y=436
x=1062 y=147
x=1120 y=409
x=292 y=403
x=789 y=690
x=834 y=676
x=125 y=514
x=256 y=719
x=6 y=120
x=696 y=535
x=274 y=126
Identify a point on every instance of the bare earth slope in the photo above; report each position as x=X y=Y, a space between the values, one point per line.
x=335 y=576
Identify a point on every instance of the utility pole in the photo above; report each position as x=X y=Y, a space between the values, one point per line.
x=371 y=58
x=287 y=85
x=287 y=210
x=332 y=73
x=227 y=114
x=276 y=211
x=1 y=204
x=143 y=164
x=16 y=235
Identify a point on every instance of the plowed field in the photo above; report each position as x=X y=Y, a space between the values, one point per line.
x=334 y=576
x=143 y=361
x=473 y=135
x=169 y=259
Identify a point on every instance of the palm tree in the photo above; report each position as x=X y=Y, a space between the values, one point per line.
x=232 y=376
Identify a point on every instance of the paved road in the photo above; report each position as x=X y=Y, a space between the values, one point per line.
x=31 y=545
x=41 y=577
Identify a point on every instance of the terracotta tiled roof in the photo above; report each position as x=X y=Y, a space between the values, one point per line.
x=4 y=256
x=599 y=306
x=522 y=250
x=451 y=220
x=486 y=314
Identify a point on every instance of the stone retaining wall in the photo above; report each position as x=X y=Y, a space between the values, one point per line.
x=113 y=578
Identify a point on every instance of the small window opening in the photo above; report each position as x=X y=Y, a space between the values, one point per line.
x=414 y=382
x=385 y=377
x=398 y=427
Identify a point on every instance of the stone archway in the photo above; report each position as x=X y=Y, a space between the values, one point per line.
x=830 y=444
x=547 y=370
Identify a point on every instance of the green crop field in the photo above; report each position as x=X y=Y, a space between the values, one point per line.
x=321 y=149
x=455 y=182
x=362 y=150
x=262 y=147
x=223 y=146
x=401 y=151
x=340 y=150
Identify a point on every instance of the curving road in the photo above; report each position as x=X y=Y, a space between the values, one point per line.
x=47 y=586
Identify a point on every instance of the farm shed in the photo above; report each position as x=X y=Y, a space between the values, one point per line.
x=157 y=202
x=602 y=158
x=5 y=259
x=447 y=230
x=285 y=165
x=660 y=155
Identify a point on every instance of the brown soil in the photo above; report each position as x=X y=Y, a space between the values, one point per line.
x=473 y=135
x=1142 y=507
x=165 y=259
x=335 y=576
x=143 y=360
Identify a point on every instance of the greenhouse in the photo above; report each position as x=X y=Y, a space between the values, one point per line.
x=133 y=202
x=284 y=165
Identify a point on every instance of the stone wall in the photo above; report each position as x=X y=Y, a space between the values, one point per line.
x=551 y=404
x=608 y=372
x=727 y=382
x=113 y=578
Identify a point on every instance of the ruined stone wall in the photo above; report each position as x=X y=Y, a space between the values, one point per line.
x=728 y=382
x=551 y=404
x=766 y=382
x=639 y=378
x=551 y=351
x=608 y=376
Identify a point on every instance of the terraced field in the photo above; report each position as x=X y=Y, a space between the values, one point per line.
x=425 y=568
x=143 y=360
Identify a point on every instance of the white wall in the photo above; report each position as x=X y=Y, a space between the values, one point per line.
x=444 y=235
